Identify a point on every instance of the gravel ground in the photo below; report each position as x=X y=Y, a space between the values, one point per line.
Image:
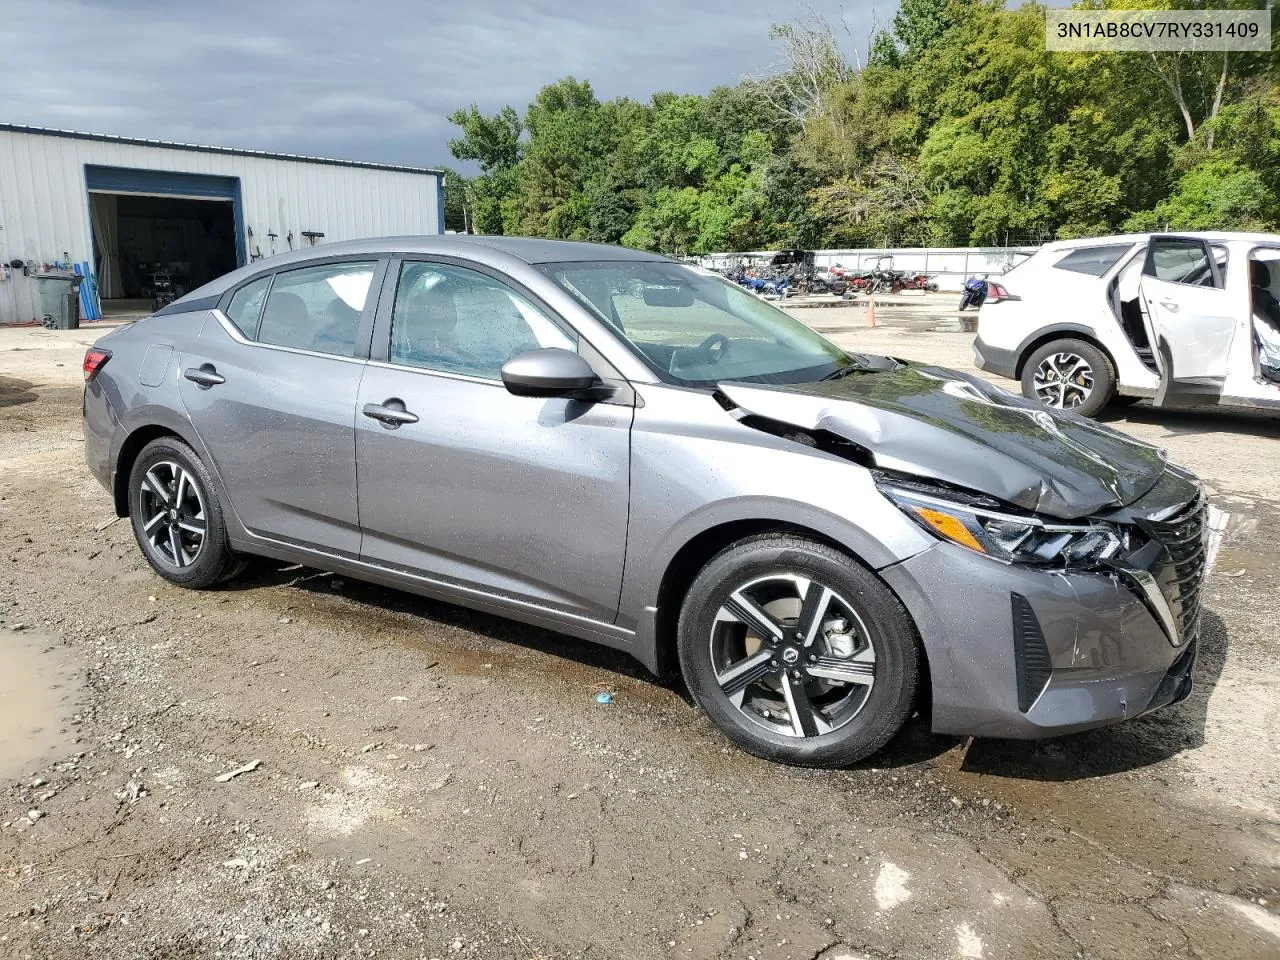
x=430 y=782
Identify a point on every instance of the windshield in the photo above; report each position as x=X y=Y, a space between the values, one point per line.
x=697 y=329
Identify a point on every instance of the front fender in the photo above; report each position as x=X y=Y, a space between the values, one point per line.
x=694 y=468
x=645 y=575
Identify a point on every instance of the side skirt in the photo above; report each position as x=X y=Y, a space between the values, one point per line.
x=584 y=628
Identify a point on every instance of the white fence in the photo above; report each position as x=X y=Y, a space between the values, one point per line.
x=949 y=266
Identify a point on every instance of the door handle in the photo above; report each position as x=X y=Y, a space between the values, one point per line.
x=204 y=375
x=390 y=412
x=1169 y=305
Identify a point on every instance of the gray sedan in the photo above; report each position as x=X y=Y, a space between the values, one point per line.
x=622 y=448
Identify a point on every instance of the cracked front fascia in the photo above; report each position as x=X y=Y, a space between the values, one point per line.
x=947 y=426
x=1075 y=637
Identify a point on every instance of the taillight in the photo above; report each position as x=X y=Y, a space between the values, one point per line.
x=997 y=292
x=94 y=360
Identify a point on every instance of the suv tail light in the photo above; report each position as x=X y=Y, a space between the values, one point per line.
x=997 y=292
x=95 y=359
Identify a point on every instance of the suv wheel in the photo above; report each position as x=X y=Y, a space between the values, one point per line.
x=797 y=652
x=177 y=517
x=1069 y=375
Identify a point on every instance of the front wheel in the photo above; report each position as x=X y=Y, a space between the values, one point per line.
x=1069 y=375
x=797 y=652
x=177 y=517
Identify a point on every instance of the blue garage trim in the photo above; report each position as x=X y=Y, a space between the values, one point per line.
x=159 y=182
x=440 y=202
x=242 y=242
x=172 y=183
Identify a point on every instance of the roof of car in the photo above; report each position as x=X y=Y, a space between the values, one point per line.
x=528 y=249
x=1220 y=235
x=491 y=250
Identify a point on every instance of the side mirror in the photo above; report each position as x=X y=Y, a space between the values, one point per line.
x=550 y=372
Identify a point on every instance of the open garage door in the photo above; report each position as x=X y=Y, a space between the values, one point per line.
x=158 y=234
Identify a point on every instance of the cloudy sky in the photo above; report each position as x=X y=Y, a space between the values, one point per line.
x=370 y=80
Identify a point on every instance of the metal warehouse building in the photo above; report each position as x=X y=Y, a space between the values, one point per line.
x=125 y=210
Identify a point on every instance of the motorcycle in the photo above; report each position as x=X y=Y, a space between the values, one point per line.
x=975 y=292
x=777 y=288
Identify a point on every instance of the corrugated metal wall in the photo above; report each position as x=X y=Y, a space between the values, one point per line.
x=44 y=207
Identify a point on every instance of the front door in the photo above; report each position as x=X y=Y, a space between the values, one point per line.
x=1191 y=318
x=462 y=481
x=274 y=401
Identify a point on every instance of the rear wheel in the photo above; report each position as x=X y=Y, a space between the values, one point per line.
x=1069 y=375
x=177 y=517
x=797 y=652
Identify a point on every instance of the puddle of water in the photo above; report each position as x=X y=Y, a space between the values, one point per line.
x=39 y=682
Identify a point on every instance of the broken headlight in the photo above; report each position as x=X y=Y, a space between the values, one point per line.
x=1009 y=537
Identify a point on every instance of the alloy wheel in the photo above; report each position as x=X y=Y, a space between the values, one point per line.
x=792 y=655
x=172 y=509
x=1063 y=380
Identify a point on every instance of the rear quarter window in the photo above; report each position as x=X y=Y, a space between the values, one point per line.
x=246 y=306
x=1094 y=261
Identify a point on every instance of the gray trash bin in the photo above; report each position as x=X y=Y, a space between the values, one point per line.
x=60 y=300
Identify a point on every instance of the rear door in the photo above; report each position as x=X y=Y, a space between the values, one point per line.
x=1191 y=320
x=270 y=385
x=464 y=482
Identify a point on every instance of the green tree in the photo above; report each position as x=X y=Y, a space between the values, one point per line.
x=1218 y=194
x=567 y=146
x=884 y=51
x=493 y=142
x=961 y=128
x=457 y=213
x=919 y=24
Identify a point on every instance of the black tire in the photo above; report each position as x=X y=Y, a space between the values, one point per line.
x=209 y=560
x=1100 y=371
x=883 y=706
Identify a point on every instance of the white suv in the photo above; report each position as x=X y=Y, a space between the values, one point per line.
x=1189 y=319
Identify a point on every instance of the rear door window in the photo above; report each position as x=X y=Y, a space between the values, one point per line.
x=317 y=308
x=1094 y=261
x=246 y=306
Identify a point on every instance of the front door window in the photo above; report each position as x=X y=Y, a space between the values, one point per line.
x=455 y=320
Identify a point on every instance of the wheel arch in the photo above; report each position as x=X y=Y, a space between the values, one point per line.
x=130 y=448
x=695 y=553
x=1064 y=331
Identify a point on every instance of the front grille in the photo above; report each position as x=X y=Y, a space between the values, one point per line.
x=1181 y=578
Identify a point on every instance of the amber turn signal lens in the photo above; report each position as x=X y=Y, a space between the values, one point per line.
x=949 y=527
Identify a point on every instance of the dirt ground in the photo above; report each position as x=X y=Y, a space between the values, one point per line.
x=432 y=782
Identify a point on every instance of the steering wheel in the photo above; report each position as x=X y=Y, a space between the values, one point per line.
x=714 y=347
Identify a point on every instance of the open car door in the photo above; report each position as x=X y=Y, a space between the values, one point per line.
x=1189 y=317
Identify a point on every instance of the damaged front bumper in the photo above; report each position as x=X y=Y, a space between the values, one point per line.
x=1028 y=653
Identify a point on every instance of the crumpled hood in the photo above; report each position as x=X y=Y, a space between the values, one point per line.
x=949 y=426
